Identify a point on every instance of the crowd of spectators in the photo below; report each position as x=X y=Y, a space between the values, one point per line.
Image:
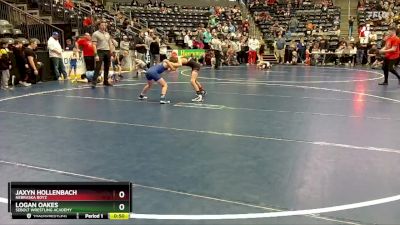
x=225 y=38
x=19 y=64
x=295 y=33
x=286 y=16
x=374 y=19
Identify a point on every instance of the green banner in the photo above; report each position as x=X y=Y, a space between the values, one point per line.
x=195 y=53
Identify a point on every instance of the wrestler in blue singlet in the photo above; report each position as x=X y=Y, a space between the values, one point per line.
x=154 y=72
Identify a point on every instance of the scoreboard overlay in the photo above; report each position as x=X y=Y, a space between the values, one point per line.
x=70 y=200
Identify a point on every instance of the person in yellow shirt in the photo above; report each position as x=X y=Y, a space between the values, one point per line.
x=5 y=65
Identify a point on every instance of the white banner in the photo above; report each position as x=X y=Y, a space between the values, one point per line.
x=372 y=15
x=80 y=68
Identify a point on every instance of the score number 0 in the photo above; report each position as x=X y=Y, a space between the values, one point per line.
x=121 y=206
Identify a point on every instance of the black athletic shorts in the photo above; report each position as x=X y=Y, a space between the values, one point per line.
x=193 y=64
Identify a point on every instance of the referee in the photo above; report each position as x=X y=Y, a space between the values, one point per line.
x=102 y=47
x=391 y=51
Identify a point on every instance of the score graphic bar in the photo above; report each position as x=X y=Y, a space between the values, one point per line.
x=69 y=200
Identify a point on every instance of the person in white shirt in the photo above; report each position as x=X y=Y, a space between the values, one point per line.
x=186 y=39
x=254 y=44
x=236 y=46
x=225 y=28
x=190 y=42
x=367 y=33
x=124 y=44
x=163 y=51
x=352 y=51
x=55 y=53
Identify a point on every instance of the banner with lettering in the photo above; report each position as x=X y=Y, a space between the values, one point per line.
x=376 y=15
x=195 y=53
x=80 y=68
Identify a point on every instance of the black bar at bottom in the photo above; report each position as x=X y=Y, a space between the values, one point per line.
x=9 y=196
x=93 y=216
x=31 y=216
x=86 y=216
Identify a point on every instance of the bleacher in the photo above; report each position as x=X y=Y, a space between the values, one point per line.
x=76 y=16
x=173 y=21
x=19 y=24
x=304 y=13
x=184 y=19
x=9 y=34
x=377 y=17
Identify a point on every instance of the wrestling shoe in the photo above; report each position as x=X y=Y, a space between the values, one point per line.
x=164 y=101
x=199 y=98
x=142 y=97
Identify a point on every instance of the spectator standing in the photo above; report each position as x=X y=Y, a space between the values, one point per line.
x=55 y=53
x=361 y=49
x=301 y=50
x=243 y=44
x=293 y=24
x=207 y=38
x=186 y=39
x=32 y=62
x=103 y=46
x=190 y=42
x=280 y=45
x=86 y=44
x=351 y=26
x=163 y=50
x=148 y=39
x=254 y=44
x=155 y=51
x=5 y=65
x=140 y=47
x=200 y=34
x=21 y=64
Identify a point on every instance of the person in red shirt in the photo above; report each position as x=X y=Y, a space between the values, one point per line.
x=85 y=43
x=87 y=21
x=391 y=51
x=398 y=49
x=68 y=4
